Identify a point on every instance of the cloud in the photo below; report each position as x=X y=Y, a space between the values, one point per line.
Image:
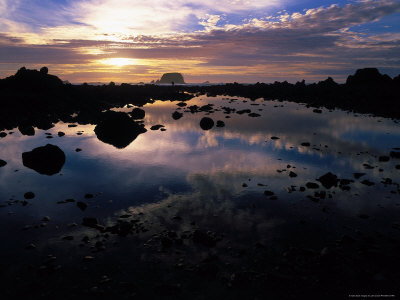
x=312 y=44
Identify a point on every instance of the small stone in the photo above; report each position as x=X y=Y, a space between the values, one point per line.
x=292 y=174
x=156 y=127
x=60 y=133
x=46 y=219
x=30 y=246
x=2 y=163
x=220 y=123
x=268 y=193
x=312 y=185
x=363 y=216
x=81 y=205
x=394 y=154
x=306 y=144
x=88 y=258
x=88 y=196
x=384 y=158
x=358 y=175
x=29 y=195
x=367 y=182
x=78 y=150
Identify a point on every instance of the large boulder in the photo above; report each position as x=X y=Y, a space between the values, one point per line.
x=172 y=78
x=118 y=129
x=46 y=160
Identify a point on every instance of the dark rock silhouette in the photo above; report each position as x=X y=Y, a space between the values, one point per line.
x=44 y=70
x=177 y=115
x=37 y=99
x=34 y=80
x=2 y=163
x=367 y=77
x=117 y=129
x=46 y=160
x=26 y=130
x=328 y=180
x=172 y=78
x=156 y=127
x=220 y=123
x=137 y=113
x=206 y=123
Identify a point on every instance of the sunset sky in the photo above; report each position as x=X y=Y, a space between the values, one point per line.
x=218 y=41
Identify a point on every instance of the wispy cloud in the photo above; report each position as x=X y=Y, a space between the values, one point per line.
x=323 y=41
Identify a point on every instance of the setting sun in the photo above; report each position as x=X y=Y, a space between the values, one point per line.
x=119 y=61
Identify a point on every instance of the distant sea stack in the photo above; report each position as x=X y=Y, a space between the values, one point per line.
x=172 y=78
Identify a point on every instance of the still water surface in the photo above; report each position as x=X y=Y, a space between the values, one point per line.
x=212 y=178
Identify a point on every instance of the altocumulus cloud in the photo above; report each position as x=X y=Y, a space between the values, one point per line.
x=207 y=35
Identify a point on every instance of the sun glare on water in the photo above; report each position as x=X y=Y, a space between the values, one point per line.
x=119 y=61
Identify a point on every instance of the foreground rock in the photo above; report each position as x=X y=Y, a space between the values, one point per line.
x=46 y=160
x=117 y=129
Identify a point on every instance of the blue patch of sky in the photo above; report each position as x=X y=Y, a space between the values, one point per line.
x=388 y=24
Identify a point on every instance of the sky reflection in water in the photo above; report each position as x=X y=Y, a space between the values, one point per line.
x=201 y=173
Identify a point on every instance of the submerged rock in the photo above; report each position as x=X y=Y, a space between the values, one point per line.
x=206 y=123
x=118 y=129
x=46 y=160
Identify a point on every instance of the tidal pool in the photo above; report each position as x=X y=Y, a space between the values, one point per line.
x=244 y=186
